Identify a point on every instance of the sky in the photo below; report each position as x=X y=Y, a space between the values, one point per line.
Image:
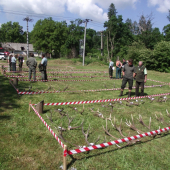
x=96 y=10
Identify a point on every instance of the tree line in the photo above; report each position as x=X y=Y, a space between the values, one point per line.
x=129 y=39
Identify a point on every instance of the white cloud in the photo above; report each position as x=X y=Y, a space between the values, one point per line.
x=93 y=9
x=162 y=5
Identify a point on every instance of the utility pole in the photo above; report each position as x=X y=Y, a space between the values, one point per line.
x=101 y=43
x=28 y=20
x=84 y=49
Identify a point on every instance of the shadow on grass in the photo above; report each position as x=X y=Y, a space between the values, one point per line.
x=8 y=96
x=5 y=117
x=98 y=154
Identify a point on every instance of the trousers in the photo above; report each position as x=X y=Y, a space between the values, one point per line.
x=32 y=70
x=44 y=74
x=138 y=84
x=124 y=82
x=13 y=66
x=118 y=72
x=110 y=72
x=20 y=66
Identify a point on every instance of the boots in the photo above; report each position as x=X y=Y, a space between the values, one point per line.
x=121 y=93
x=129 y=94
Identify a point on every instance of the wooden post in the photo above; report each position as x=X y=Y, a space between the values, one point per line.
x=15 y=82
x=65 y=159
x=40 y=107
x=29 y=106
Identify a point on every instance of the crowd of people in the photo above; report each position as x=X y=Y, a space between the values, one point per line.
x=125 y=70
x=129 y=74
x=31 y=63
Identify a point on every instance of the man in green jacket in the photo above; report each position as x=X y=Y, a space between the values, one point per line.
x=141 y=77
x=128 y=75
x=32 y=64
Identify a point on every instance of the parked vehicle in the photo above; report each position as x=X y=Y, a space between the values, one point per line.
x=2 y=56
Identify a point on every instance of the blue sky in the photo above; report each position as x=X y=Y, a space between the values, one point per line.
x=91 y=9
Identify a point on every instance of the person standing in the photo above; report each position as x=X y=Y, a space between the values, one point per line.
x=13 y=63
x=9 y=62
x=20 y=60
x=32 y=64
x=128 y=75
x=44 y=64
x=118 y=69
x=141 y=78
x=111 y=63
x=124 y=63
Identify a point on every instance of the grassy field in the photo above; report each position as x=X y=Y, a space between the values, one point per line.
x=27 y=144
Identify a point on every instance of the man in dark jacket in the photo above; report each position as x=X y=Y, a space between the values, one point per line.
x=32 y=64
x=20 y=60
x=128 y=75
x=141 y=77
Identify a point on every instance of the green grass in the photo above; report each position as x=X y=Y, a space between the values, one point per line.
x=25 y=143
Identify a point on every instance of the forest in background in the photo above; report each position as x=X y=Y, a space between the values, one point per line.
x=138 y=40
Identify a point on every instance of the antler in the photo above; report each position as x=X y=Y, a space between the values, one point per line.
x=70 y=120
x=132 y=126
x=107 y=132
x=141 y=122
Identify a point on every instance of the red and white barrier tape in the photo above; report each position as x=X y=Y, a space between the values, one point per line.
x=71 y=152
x=104 y=100
x=40 y=92
x=67 y=80
x=14 y=86
x=57 y=76
x=66 y=72
x=48 y=127
x=158 y=81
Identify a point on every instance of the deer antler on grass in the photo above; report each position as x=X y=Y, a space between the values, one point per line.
x=97 y=113
x=86 y=137
x=70 y=120
x=141 y=122
x=107 y=132
x=132 y=126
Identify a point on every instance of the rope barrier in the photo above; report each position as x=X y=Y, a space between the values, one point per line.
x=48 y=127
x=40 y=92
x=104 y=100
x=71 y=152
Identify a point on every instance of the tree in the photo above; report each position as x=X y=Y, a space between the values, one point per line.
x=166 y=31
x=74 y=34
x=151 y=37
x=111 y=11
x=168 y=16
x=48 y=35
x=12 y=32
x=118 y=34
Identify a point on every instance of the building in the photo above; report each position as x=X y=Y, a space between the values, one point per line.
x=19 y=48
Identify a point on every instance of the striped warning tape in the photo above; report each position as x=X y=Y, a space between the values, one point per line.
x=56 y=76
x=71 y=152
x=48 y=127
x=104 y=100
x=158 y=81
x=59 y=72
x=40 y=92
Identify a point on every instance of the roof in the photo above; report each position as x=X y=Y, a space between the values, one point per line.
x=17 y=46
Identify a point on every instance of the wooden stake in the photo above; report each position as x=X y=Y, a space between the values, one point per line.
x=64 y=159
x=15 y=82
x=29 y=108
x=40 y=107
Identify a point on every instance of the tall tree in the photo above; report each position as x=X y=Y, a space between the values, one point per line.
x=111 y=11
x=48 y=35
x=12 y=32
x=118 y=34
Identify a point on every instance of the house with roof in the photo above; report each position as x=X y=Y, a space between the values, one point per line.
x=19 y=48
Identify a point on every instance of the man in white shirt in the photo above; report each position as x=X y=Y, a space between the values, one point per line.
x=13 y=63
